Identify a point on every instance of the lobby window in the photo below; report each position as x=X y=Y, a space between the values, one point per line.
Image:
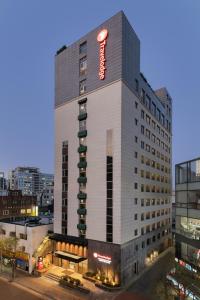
x=82 y=87
x=83 y=48
x=83 y=66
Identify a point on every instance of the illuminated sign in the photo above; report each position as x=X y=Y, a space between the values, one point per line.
x=185 y=265
x=103 y=258
x=102 y=38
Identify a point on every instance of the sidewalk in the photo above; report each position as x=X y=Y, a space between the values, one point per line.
x=48 y=289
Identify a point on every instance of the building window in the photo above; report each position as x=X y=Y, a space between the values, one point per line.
x=135 y=170
x=135 y=185
x=136 y=139
x=135 y=154
x=64 y=185
x=136 y=105
x=83 y=48
x=135 y=201
x=136 y=232
x=83 y=66
x=135 y=217
x=142 y=144
x=136 y=122
x=136 y=85
x=82 y=87
x=142 y=114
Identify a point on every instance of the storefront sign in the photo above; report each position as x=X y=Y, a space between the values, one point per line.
x=102 y=38
x=102 y=258
x=185 y=265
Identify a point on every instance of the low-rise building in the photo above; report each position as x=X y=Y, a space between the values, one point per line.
x=29 y=235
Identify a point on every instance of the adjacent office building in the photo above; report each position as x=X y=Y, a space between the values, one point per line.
x=113 y=155
x=30 y=181
x=3 y=183
x=185 y=275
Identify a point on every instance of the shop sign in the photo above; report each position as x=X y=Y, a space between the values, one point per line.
x=102 y=258
x=102 y=39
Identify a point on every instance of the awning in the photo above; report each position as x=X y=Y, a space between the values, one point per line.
x=69 y=256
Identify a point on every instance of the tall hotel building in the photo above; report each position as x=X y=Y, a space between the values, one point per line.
x=113 y=156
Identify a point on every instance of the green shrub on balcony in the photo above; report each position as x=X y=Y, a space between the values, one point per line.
x=82 y=149
x=82 y=133
x=82 y=164
x=81 y=226
x=82 y=196
x=82 y=211
x=82 y=179
x=82 y=116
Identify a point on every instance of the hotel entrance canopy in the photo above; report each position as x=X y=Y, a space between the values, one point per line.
x=69 y=256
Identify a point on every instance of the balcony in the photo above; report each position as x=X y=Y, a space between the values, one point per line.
x=82 y=116
x=82 y=164
x=82 y=133
x=81 y=226
x=82 y=149
x=82 y=211
x=82 y=179
x=82 y=196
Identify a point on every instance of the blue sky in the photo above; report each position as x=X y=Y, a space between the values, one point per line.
x=32 y=31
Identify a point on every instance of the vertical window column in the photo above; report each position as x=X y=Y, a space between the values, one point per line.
x=109 y=187
x=82 y=165
x=64 y=186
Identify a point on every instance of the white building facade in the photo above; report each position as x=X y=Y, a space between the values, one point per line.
x=113 y=152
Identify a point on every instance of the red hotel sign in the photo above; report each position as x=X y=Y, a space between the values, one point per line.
x=101 y=38
x=102 y=258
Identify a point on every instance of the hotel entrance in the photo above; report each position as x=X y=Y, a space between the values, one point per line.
x=70 y=255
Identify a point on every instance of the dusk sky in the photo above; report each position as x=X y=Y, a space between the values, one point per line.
x=32 y=31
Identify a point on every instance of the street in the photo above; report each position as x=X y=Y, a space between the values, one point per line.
x=12 y=292
x=145 y=287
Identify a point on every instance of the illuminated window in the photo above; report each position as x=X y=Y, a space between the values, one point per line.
x=28 y=211
x=82 y=87
x=23 y=211
x=83 y=66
